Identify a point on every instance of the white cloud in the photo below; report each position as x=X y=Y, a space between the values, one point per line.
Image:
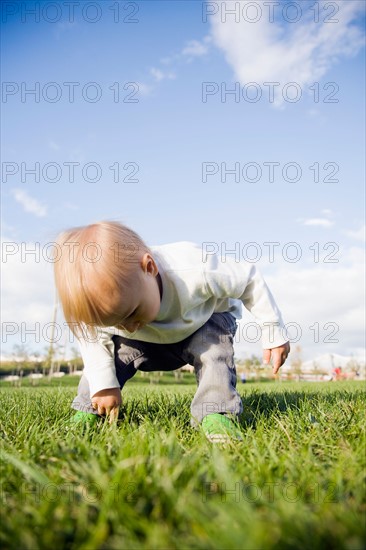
x=319 y=222
x=196 y=48
x=144 y=89
x=161 y=75
x=31 y=205
x=359 y=234
x=158 y=76
x=300 y=52
x=193 y=49
x=27 y=294
x=324 y=299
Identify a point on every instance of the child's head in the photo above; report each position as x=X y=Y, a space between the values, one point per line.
x=106 y=276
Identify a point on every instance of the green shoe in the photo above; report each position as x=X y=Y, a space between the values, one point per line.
x=218 y=428
x=84 y=419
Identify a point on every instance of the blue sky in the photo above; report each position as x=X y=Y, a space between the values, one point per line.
x=168 y=134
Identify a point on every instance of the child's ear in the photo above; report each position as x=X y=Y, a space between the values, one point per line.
x=148 y=264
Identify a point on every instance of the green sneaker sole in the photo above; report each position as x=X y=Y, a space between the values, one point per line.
x=84 y=419
x=218 y=428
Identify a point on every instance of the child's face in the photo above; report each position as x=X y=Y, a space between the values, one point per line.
x=141 y=303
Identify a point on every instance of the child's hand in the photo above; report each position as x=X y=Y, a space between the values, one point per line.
x=107 y=402
x=278 y=356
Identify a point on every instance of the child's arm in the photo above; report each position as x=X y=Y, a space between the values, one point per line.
x=258 y=299
x=99 y=368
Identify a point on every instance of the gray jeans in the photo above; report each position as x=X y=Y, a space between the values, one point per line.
x=209 y=350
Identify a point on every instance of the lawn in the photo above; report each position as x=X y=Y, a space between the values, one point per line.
x=152 y=482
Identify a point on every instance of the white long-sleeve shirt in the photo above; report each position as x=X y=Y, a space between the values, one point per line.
x=195 y=285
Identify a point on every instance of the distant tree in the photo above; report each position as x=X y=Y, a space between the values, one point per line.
x=76 y=359
x=48 y=360
x=37 y=360
x=252 y=365
x=178 y=374
x=317 y=370
x=296 y=362
x=21 y=355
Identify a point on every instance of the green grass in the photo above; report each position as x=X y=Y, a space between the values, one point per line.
x=296 y=481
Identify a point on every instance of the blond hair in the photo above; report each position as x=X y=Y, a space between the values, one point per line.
x=92 y=271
